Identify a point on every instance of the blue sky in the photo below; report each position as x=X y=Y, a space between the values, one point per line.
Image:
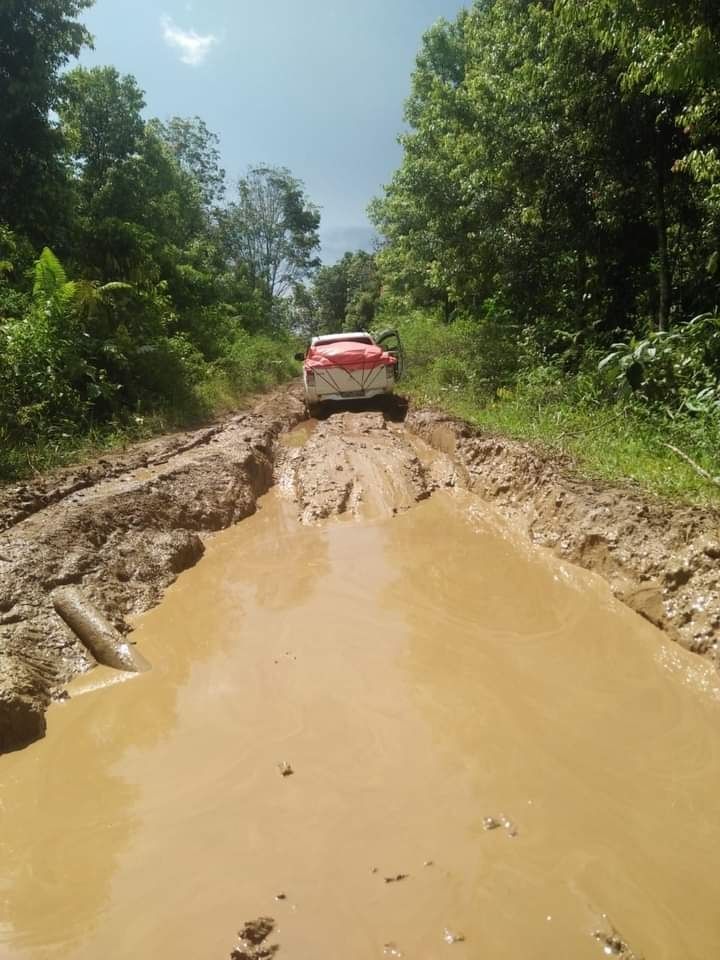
x=314 y=85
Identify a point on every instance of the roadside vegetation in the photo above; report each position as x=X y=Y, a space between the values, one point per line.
x=138 y=289
x=551 y=240
x=549 y=246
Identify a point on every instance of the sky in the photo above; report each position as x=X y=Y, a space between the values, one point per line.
x=314 y=85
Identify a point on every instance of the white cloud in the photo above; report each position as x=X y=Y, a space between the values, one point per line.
x=194 y=47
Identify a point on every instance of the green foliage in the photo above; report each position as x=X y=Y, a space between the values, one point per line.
x=614 y=436
x=155 y=313
x=196 y=150
x=101 y=118
x=678 y=370
x=555 y=224
x=37 y=38
x=533 y=171
x=346 y=293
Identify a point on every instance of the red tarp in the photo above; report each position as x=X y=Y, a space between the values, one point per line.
x=348 y=354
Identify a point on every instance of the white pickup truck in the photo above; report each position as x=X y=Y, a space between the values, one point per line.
x=345 y=366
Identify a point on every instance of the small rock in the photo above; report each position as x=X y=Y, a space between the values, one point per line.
x=285 y=769
x=450 y=937
x=397 y=878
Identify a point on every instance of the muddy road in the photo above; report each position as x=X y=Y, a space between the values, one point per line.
x=377 y=712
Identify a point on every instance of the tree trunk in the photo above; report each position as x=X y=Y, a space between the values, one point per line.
x=665 y=283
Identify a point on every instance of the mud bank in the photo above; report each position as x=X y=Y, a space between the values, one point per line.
x=662 y=560
x=119 y=530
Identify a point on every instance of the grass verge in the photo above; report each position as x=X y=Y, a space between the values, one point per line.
x=608 y=438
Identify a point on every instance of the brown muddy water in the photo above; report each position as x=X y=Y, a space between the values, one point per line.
x=425 y=679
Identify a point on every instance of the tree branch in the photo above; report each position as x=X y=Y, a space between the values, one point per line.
x=696 y=466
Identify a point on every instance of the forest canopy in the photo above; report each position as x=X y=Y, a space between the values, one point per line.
x=135 y=278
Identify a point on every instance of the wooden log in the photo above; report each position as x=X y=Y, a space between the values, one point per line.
x=103 y=641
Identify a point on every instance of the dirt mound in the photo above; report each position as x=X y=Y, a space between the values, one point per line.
x=361 y=465
x=660 y=559
x=120 y=531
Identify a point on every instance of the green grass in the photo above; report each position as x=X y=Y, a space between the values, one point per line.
x=613 y=442
x=475 y=370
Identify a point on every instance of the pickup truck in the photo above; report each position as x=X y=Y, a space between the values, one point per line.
x=348 y=366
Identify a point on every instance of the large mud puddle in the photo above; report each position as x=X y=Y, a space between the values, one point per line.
x=412 y=736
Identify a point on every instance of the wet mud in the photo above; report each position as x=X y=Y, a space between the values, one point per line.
x=359 y=465
x=662 y=560
x=396 y=736
x=121 y=530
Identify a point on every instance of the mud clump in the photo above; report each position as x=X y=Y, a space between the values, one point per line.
x=659 y=558
x=252 y=938
x=120 y=531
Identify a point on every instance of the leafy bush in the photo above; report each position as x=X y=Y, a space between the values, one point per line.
x=80 y=355
x=678 y=369
x=475 y=355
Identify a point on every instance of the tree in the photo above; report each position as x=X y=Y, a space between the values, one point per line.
x=272 y=229
x=138 y=208
x=37 y=38
x=347 y=292
x=534 y=176
x=669 y=53
x=101 y=115
x=196 y=150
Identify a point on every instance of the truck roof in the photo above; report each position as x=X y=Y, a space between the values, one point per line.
x=359 y=336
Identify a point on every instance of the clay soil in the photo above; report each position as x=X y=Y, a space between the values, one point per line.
x=122 y=528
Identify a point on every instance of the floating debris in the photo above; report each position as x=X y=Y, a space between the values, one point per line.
x=285 y=769
x=392 y=950
x=397 y=878
x=509 y=827
x=494 y=823
x=614 y=945
x=450 y=937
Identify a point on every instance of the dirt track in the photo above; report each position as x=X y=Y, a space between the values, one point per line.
x=123 y=528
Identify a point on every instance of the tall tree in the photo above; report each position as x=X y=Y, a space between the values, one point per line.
x=272 y=229
x=196 y=150
x=137 y=207
x=101 y=113
x=536 y=174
